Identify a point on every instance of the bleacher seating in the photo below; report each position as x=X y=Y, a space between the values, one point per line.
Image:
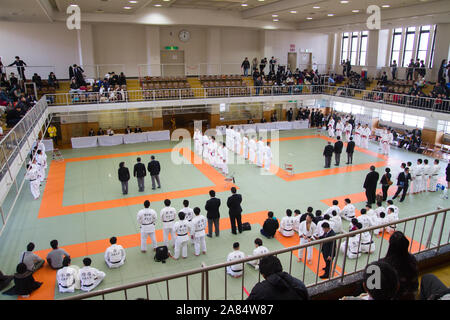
x=162 y=87
x=216 y=85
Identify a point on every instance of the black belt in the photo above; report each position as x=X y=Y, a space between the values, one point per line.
x=287 y=229
x=199 y=230
x=169 y=220
x=146 y=224
x=367 y=243
x=418 y=175
x=68 y=286
x=33 y=180
x=236 y=270
x=116 y=262
x=181 y=235
x=88 y=285
x=434 y=174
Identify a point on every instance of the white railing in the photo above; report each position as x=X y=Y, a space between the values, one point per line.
x=81 y=97
x=15 y=148
x=427 y=232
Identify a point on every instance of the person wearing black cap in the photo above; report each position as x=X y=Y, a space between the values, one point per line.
x=277 y=284
x=328 y=249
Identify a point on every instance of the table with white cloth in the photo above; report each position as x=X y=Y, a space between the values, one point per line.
x=84 y=142
x=114 y=140
x=135 y=138
x=300 y=124
x=283 y=125
x=158 y=135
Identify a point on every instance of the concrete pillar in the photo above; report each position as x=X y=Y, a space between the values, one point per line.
x=372 y=52
x=441 y=49
x=213 y=52
x=153 y=46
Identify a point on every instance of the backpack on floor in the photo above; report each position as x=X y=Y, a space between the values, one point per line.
x=246 y=226
x=162 y=253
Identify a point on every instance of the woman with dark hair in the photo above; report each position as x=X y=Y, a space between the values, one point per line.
x=405 y=264
x=386 y=182
x=24 y=283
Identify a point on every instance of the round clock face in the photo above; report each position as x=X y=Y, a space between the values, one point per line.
x=184 y=35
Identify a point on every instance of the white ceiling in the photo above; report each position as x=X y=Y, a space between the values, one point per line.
x=51 y=10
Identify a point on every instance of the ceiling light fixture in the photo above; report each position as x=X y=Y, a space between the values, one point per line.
x=293 y=11
x=157 y=5
x=276 y=20
x=274 y=15
x=344 y=1
x=244 y=4
x=385 y=6
x=133 y=1
x=127 y=8
x=308 y=18
x=355 y=10
x=316 y=7
x=331 y=14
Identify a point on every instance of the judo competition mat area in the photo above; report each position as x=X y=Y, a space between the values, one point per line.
x=82 y=206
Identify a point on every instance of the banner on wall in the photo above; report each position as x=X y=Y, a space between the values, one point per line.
x=292 y=48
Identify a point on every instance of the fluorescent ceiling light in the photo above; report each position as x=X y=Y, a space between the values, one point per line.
x=385 y=5
x=132 y=1
x=128 y=8
x=316 y=7
x=157 y=5
x=293 y=11
x=344 y=1
x=276 y=20
x=355 y=10
x=331 y=14
x=274 y=15
x=244 y=4
x=308 y=18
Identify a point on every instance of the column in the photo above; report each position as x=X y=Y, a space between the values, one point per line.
x=213 y=53
x=153 y=46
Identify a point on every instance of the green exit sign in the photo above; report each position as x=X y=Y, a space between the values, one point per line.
x=171 y=48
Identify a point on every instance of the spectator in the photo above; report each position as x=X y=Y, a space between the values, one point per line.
x=5 y=280
x=270 y=226
x=37 y=80
x=20 y=67
x=122 y=80
x=405 y=264
x=245 y=66
x=32 y=261
x=431 y=288
x=388 y=283
x=52 y=81
x=277 y=284
x=100 y=132
x=24 y=283
x=56 y=256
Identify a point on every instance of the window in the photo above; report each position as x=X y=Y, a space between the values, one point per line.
x=386 y=115
x=409 y=46
x=344 y=52
x=363 y=48
x=357 y=109
x=424 y=37
x=397 y=117
x=354 y=48
x=396 y=44
x=432 y=47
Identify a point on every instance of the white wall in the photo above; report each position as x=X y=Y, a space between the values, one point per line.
x=39 y=44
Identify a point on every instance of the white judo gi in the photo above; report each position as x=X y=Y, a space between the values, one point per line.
x=197 y=230
x=330 y=210
x=252 y=150
x=426 y=176
x=353 y=248
x=418 y=178
x=358 y=136
x=434 y=173
x=348 y=131
x=365 y=134
x=33 y=176
x=257 y=251
x=348 y=212
x=287 y=226
x=245 y=143
x=259 y=153
x=168 y=217
x=339 y=129
x=331 y=128
x=181 y=229
x=147 y=218
x=115 y=255
x=235 y=270
x=90 y=278
x=267 y=153
x=302 y=233
x=386 y=140
x=205 y=143
x=68 y=279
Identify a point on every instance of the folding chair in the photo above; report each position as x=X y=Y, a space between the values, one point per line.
x=289 y=168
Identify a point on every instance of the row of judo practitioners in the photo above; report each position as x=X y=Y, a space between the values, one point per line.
x=361 y=135
x=216 y=153
x=36 y=169
x=309 y=228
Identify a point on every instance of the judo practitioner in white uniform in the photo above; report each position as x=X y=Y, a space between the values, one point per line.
x=267 y=153
x=41 y=161
x=354 y=244
x=434 y=173
x=235 y=270
x=386 y=140
x=33 y=176
x=348 y=212
x=336 y=222
x=259 y=152
x=90 y=277
x=259 y=249
x=348 y=131
x=115 y=254
x=168 y=217
x=188 y=212
x=197 y=231
x=198 y=141
x=252 y=149
x=205 y=143
x=67 y=277
x=358 y=132
x=224 y=160
x=146 y=219
x=245 y=145
x=237 y=142
x=339 y=129
x=181 y=229
x=391 y=218
x=334 y=207
x=367 y=243
x=426 y=175
x=331 y=128
x=212 y=152
x=418 y=177
x=287 y=224
x=365 y=134
x=306 y=231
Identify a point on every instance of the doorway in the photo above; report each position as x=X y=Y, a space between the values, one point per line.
x=292 y=61
x=305 y=60
x=172 y=63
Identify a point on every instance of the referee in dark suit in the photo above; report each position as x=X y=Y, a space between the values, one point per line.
x=235 y=210
x=140 y=172
x=212 y=213
x=328 y=249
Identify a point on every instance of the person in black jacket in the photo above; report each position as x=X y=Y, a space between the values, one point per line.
x=338 y=146
x=328 y=153
x=350 y=149
x=328 y=249
x=277 y=284
x=20 y=67
x=140 y=172
x=235 y=210
x=124 y=176
x=212 y=213
x=370 y=184
x=154 y=168
x=385 y=179
x=270 y=226
x=24 y=283
x=402 y=184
